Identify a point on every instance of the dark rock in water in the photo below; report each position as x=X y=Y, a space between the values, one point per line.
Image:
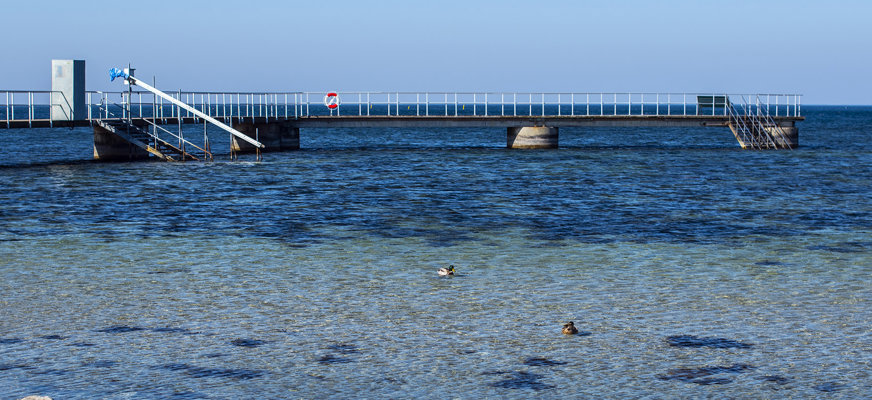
x=693 y=341
x=331 y=359
x=522 y=380
x=344 y=348
x=702 y=376
x=542 y=362
x=120 y=329
x=11 y=341
x=829 y=387
x=53 y=337
x=247 y=342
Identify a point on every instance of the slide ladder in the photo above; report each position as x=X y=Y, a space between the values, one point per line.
x=150 y=141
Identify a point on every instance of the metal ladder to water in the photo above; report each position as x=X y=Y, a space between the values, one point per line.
x=754 y=128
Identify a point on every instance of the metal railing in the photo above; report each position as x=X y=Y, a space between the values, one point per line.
x=104 y=112
x=753 y=122
x=447 y=104
x=36 y=105
x=30 y=105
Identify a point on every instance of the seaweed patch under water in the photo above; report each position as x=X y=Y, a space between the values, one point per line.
x=693 y=341
x=6 y=367
x=542 y=362
x=522 y=380
x=774 y=378
x=247 y=342
x=189 y=395
x=343 y=348
x=174 y=330
x=100 y=364
x=201 y=372
x=703 y=375
x=844 y=247
x=120 y=329
x=768 y=263
x=829 y=387
x=331 y=359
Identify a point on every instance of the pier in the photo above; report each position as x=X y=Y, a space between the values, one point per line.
x=139 y=123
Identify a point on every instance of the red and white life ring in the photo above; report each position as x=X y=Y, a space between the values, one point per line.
x=331 y=100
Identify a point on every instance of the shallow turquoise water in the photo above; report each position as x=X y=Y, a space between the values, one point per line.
x=312 y=274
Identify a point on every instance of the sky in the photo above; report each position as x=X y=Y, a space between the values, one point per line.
x=820 y=49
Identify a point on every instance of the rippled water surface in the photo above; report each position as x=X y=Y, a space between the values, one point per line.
x=692 y=268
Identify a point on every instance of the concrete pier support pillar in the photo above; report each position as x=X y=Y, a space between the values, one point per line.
x=531 y=137
x=275 y=136
x=109 y=147
x=791 y=136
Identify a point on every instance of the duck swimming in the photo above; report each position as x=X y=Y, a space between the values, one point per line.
x=569 y=328
x=446 y=271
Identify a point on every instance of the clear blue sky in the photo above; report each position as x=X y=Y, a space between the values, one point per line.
x=817 y=48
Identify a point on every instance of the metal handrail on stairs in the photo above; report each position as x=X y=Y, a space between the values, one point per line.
x=762 y=131
x=103 y=110
x=770 y=123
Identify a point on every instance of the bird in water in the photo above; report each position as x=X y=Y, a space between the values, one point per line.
x=446 y=271
x=569 y=328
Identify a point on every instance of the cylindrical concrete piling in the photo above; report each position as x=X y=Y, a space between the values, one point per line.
x=789 y=139
x=532 y=137
x=275 y=136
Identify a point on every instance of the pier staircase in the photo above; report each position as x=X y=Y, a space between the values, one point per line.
x=151 y=141
x=754 y=127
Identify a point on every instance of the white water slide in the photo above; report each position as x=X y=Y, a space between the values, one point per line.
x=125 y=73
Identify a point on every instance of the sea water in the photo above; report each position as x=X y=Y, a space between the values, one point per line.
x=693 y=268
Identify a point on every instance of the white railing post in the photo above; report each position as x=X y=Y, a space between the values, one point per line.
x=572 y=107
x=615 y=98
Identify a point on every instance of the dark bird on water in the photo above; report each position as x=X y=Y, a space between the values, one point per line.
x=569 y=328
x=446 y=271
